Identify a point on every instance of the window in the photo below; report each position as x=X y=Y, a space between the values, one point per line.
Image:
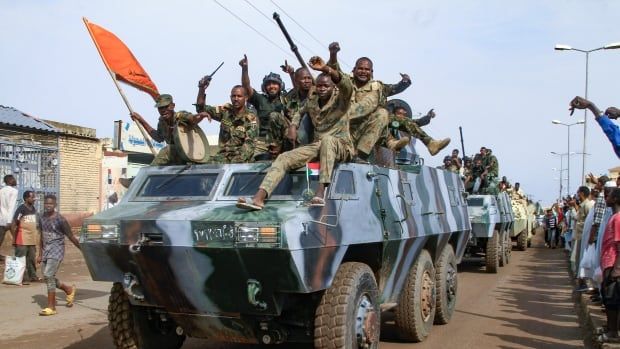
x=247 y=183
x=173 y=185
x=345 y=183
x=475 y=202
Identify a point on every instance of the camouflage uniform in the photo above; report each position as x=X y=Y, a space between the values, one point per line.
x=392 y=89
x=268 y=111
x=280 y=122
x=490 y=162
x=168 y=155
x=409 y=126
x=369 y=119
x=332 y=140
x=237 y=136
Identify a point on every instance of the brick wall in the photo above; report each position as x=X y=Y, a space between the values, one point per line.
x=80 y=174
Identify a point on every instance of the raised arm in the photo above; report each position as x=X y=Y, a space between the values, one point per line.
x=245 y=76
x=288 y=69
x=392 y=89
x=334 y=47
x=155 y=134
x=202 y=95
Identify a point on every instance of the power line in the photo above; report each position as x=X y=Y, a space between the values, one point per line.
x=254 y=29
x=270 y=21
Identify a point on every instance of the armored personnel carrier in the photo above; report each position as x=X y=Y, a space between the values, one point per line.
x=492 y=221
x=523 y=223
x=184 y=261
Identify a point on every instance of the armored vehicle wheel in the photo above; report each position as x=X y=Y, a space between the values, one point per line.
x=492 y=253
x=349 y=315
x=522 y=244
x=529 y=243
x=131 y=328
x=447 y=282
x=415 y=311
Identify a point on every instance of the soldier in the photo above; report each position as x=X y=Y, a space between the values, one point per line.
x=238 y=126
x=479 y=173
x=168 y=119
x=399 y=121
x=490 y=163
x=328 y=108
x=268 y=104
x=456 y=161
x=448 y=165
x=467 y=173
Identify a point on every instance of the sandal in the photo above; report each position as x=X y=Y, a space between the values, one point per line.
x=242 y=203
x=317 y=202
x=47 y=312
x=71 y=296
x=605 y=338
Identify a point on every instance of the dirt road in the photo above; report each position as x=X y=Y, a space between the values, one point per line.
x=527 y=305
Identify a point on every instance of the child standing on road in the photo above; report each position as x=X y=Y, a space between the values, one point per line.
x=54 y=228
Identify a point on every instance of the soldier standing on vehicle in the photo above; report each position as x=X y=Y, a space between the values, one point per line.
x=54 y=228
x=238 y=126
x=328 y=108
x=168 y=119
x=268 y=105
x=489 y=161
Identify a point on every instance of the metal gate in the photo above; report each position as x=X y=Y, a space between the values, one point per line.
x=35 y=168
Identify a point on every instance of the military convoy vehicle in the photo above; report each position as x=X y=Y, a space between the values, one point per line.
x=184 y=261
x=521 y=231
x=492 y=221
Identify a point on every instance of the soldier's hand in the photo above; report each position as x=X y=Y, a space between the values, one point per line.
x=287 y=68
x=244 y=61
x=204 y=82
x=317 y=63
x=578 y=103
x=203 y=115
x=612 y=112
x=334 y=47
x=405 y=78
x=431 y=113
x=135 y=116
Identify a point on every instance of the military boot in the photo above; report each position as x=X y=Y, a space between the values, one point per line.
x=435 y=146
x=397 y=144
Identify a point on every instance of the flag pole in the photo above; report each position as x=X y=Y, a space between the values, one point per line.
x=120 y=90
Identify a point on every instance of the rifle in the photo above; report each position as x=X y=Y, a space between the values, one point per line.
x=276 y=17
x=210 y=76
x=462 y=144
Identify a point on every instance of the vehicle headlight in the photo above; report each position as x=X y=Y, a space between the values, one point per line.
x=92 y=231
x=258 y=235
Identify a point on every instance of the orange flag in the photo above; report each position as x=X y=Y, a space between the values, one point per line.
x=119 y=60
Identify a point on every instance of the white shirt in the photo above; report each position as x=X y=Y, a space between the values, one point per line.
x=8 y=199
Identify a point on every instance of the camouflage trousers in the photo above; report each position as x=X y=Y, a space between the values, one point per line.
x=366 y=133
x=409 y=126
x=237 y=158
x=329 y=150
x=278 y=128
x=168 y=156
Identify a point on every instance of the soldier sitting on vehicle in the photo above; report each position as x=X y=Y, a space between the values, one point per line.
x=295 y=100
x=238 y=126
x=168 y=119
x=479 y=176
x=448 y=165
x=328 y=108
x=269 y=106
x=399 y=121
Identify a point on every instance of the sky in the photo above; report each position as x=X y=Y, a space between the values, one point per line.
x=487 y=66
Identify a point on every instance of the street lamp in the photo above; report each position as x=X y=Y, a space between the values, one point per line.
x=558 y=122
x=559 y=47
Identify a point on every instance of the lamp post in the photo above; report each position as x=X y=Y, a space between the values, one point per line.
x=559 y=47
x=558 y=122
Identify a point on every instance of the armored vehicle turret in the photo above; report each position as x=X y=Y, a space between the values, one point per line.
x=184 y=261
x=492 y=221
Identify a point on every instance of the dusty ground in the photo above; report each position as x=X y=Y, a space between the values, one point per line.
x=527 y=305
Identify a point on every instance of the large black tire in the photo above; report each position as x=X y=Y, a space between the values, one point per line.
x=348 y=315
x=415 y=311
x=507 y=247
x=522 y=241
x=131 y=328
x=447 y=284
x=492 y=253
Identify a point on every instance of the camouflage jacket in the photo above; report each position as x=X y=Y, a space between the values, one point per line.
x=490 y=162
x=164 y=129
x=294 y=103
x=368 y=97
x=237 y=133
x=264 y=107
x=332 y=118
x=401 y=124
x=392 y=89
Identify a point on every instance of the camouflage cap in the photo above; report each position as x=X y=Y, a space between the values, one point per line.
x=163 y=100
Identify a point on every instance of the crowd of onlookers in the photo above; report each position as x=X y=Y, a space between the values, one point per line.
x=585 y=225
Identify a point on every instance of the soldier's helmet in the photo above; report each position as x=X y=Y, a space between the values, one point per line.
x=395 y=103
x=273 y=77
x=447 y=158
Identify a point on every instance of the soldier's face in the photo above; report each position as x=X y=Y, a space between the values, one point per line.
x=362 y=71
x=400 y=113
x=272 y=88
x=237 y=98
x=324 y=87
x=303 y=79
x=166 y=111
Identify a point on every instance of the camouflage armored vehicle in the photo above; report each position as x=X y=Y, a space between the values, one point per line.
x=491 y=223
x=184 y=261
x=523 y=223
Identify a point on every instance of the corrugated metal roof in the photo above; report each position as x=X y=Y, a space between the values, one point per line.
x=14 y=117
